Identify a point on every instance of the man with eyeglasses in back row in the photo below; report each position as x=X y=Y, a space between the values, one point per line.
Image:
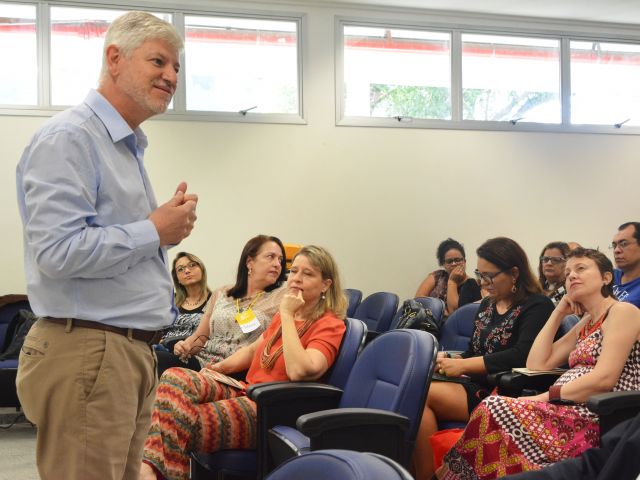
x=626 y=254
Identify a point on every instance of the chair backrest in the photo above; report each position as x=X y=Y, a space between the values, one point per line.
x=457 y=329
x=340 y=464
x=354 y=296
x=352 y=343
x=393 y=373
x=377 y=310
x=9 y=307
x=567 y=324
x=436 y=306
x=290 y=250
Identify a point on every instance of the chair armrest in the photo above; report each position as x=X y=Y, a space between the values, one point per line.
x=291 y=393
x=361 y=429
x=493 y=379
x=614 y=407
x=313 y=424
x=607 y=403
x=514 y=384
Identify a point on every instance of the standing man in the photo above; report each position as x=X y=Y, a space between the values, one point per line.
x=626 y=253
x=96 y=264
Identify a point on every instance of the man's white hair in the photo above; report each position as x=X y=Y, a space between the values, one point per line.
x=132 y=29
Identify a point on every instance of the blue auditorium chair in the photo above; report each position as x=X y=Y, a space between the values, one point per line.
x=377 y=311
x=457 y=329
x=379 y=409
x=340 y=465
x=244 y=463
x=355 y=297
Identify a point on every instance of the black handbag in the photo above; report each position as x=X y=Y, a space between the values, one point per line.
x=418 y=317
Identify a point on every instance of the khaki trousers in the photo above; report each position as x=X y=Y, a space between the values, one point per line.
x=90 y=393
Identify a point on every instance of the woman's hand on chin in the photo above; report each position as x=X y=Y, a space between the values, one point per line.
x=291 y=302
x=567 y=306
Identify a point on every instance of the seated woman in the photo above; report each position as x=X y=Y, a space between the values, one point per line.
x=551 y=270
x=506 y=325
x=235 y=315
x=450 y=283
x=603 y=351
x=194 y=412
x=191 y=296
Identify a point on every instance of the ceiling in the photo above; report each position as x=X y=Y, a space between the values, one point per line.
x=616 y=11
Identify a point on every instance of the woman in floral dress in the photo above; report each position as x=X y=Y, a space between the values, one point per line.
x=507 y=435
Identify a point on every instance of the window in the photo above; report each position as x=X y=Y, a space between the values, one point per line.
x=605 y=83
x=241 y=65
x=391 y=72
x=487 y=75
x=510 y=79
x=18 y=44
x=77 y=39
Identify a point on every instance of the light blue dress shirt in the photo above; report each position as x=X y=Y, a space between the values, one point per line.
x=85 y=198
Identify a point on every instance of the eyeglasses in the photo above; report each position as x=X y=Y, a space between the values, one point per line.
x=554 y=260
x=190 y=266
x=622 y=244
x=196 y=348
x=487 y=277
x=451 y=261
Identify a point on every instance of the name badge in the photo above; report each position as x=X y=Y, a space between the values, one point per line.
x=247 y=321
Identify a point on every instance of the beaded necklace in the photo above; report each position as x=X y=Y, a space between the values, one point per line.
x=589 y=328
x=268 y=360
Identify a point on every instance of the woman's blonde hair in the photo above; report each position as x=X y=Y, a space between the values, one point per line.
x=334 y=298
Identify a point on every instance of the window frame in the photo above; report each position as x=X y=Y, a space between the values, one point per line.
x=179 y=111
x=500 y=28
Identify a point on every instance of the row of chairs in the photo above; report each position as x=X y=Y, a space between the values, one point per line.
x=371 y=401
x=380 y=312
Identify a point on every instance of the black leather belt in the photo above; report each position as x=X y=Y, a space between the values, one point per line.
x=149 y=337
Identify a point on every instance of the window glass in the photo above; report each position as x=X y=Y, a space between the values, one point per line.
x=392 y=72
x=510 y=79
x=77 y=39
x=241 y=64
x=18 y=44
x=605 y=83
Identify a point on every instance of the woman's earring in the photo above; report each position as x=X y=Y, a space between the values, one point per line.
x=323 y=296
x=514 y=289
x=249 y=272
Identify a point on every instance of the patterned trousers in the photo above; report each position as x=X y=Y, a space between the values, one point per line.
x=194 y=413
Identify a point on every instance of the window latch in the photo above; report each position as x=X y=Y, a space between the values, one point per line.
x=244 y=112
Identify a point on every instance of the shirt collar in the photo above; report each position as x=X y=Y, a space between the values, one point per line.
x=114 y=123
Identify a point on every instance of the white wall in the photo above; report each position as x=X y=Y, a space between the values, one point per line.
x=379 y=199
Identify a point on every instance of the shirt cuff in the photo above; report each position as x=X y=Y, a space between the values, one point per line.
x=146 y=240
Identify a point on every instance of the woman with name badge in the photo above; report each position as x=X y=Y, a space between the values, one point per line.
x=238 y=314
x=208 y=411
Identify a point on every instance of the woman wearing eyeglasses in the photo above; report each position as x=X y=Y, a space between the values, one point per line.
x=551 y=270
x=199 y=411
x=451 y=283
x=506 y=325
x=191 y=296
x=603 y=353
x=238 y=314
